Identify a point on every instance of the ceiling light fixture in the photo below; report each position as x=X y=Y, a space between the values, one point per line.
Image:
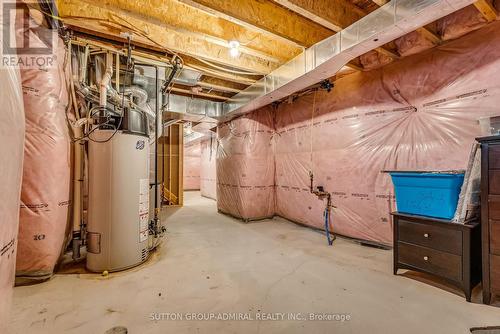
x=234 y=48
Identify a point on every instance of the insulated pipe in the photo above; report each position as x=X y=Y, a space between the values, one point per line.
x=106 y=79
x=140 y=94
x=140 y=81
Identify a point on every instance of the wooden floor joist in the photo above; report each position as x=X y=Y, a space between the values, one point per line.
x=195 y=22
x=434 y=38
x=219 y=81
x=266 y=16
x=380 y=2
x=487 y=10
x=332 y=14
x=201 y=94
x=86 y=16
x=388 y=52
x=354 y=66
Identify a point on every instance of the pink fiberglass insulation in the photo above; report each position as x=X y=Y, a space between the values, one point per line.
x=208 y=171
x=192 y=165
x=245 y=166
x=11 y=151
x=412 y=43
x=420 y=113
x=449 y=27
x=45 y=195
x=460 y=22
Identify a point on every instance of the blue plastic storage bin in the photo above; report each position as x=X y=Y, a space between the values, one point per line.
x=427 y=194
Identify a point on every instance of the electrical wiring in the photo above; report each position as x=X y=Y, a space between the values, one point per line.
x=206 y=62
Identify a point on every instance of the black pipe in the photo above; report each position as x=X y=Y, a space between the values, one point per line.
x=157 y=112
x=175 y=67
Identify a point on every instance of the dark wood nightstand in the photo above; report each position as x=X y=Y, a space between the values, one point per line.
x=490 y=215
x=439 y=247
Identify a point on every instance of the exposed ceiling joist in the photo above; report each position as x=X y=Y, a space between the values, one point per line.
x=434 y=38
x=487 y=10
x=430 y=35
x=390 y=53
x=222 y=75
x=188 y=92
x=220 y=85
x=332 y=14
x=194 y=63
x=266 y=16
x=89 y=17
x=380 y=2
x=221 y=80
x=195 y=22
x=208 y=91
x=353 y=66
x=218 y=88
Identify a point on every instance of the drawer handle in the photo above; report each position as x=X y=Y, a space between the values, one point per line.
x=426 y=235
x=426 y=258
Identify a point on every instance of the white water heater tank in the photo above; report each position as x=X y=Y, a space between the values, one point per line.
x=118 y=212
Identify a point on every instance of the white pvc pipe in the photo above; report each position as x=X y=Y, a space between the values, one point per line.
x=106 y=79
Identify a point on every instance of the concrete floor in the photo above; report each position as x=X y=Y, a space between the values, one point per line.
x=213 y=264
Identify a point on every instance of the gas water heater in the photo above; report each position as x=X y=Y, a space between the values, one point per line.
x=118 y=211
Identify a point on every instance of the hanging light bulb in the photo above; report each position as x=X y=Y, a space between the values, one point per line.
x=234 y=48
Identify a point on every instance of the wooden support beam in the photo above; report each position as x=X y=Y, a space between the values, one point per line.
x=116 y=44
x=210 y=91
x=187 y=92
x=332 y=14
x=241 y=79
x=487 y=10
x=221 y=85
x=266 y=16
x=429 y=35
x=218 y=88
x=355 y=67
x=195 y=22
x=380 y=2
x=390 y=53
x=89 y=17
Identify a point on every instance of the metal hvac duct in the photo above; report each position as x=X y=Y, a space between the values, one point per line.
x=326 y=58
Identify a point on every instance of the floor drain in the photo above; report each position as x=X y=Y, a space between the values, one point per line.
x=117 y=330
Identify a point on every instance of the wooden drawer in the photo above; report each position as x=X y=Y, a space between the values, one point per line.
x=494 y=182
x=494 y=207
x=495 y=274
x=495 y=237
x=431 y=236
x=432 y=261
x=494 y=157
